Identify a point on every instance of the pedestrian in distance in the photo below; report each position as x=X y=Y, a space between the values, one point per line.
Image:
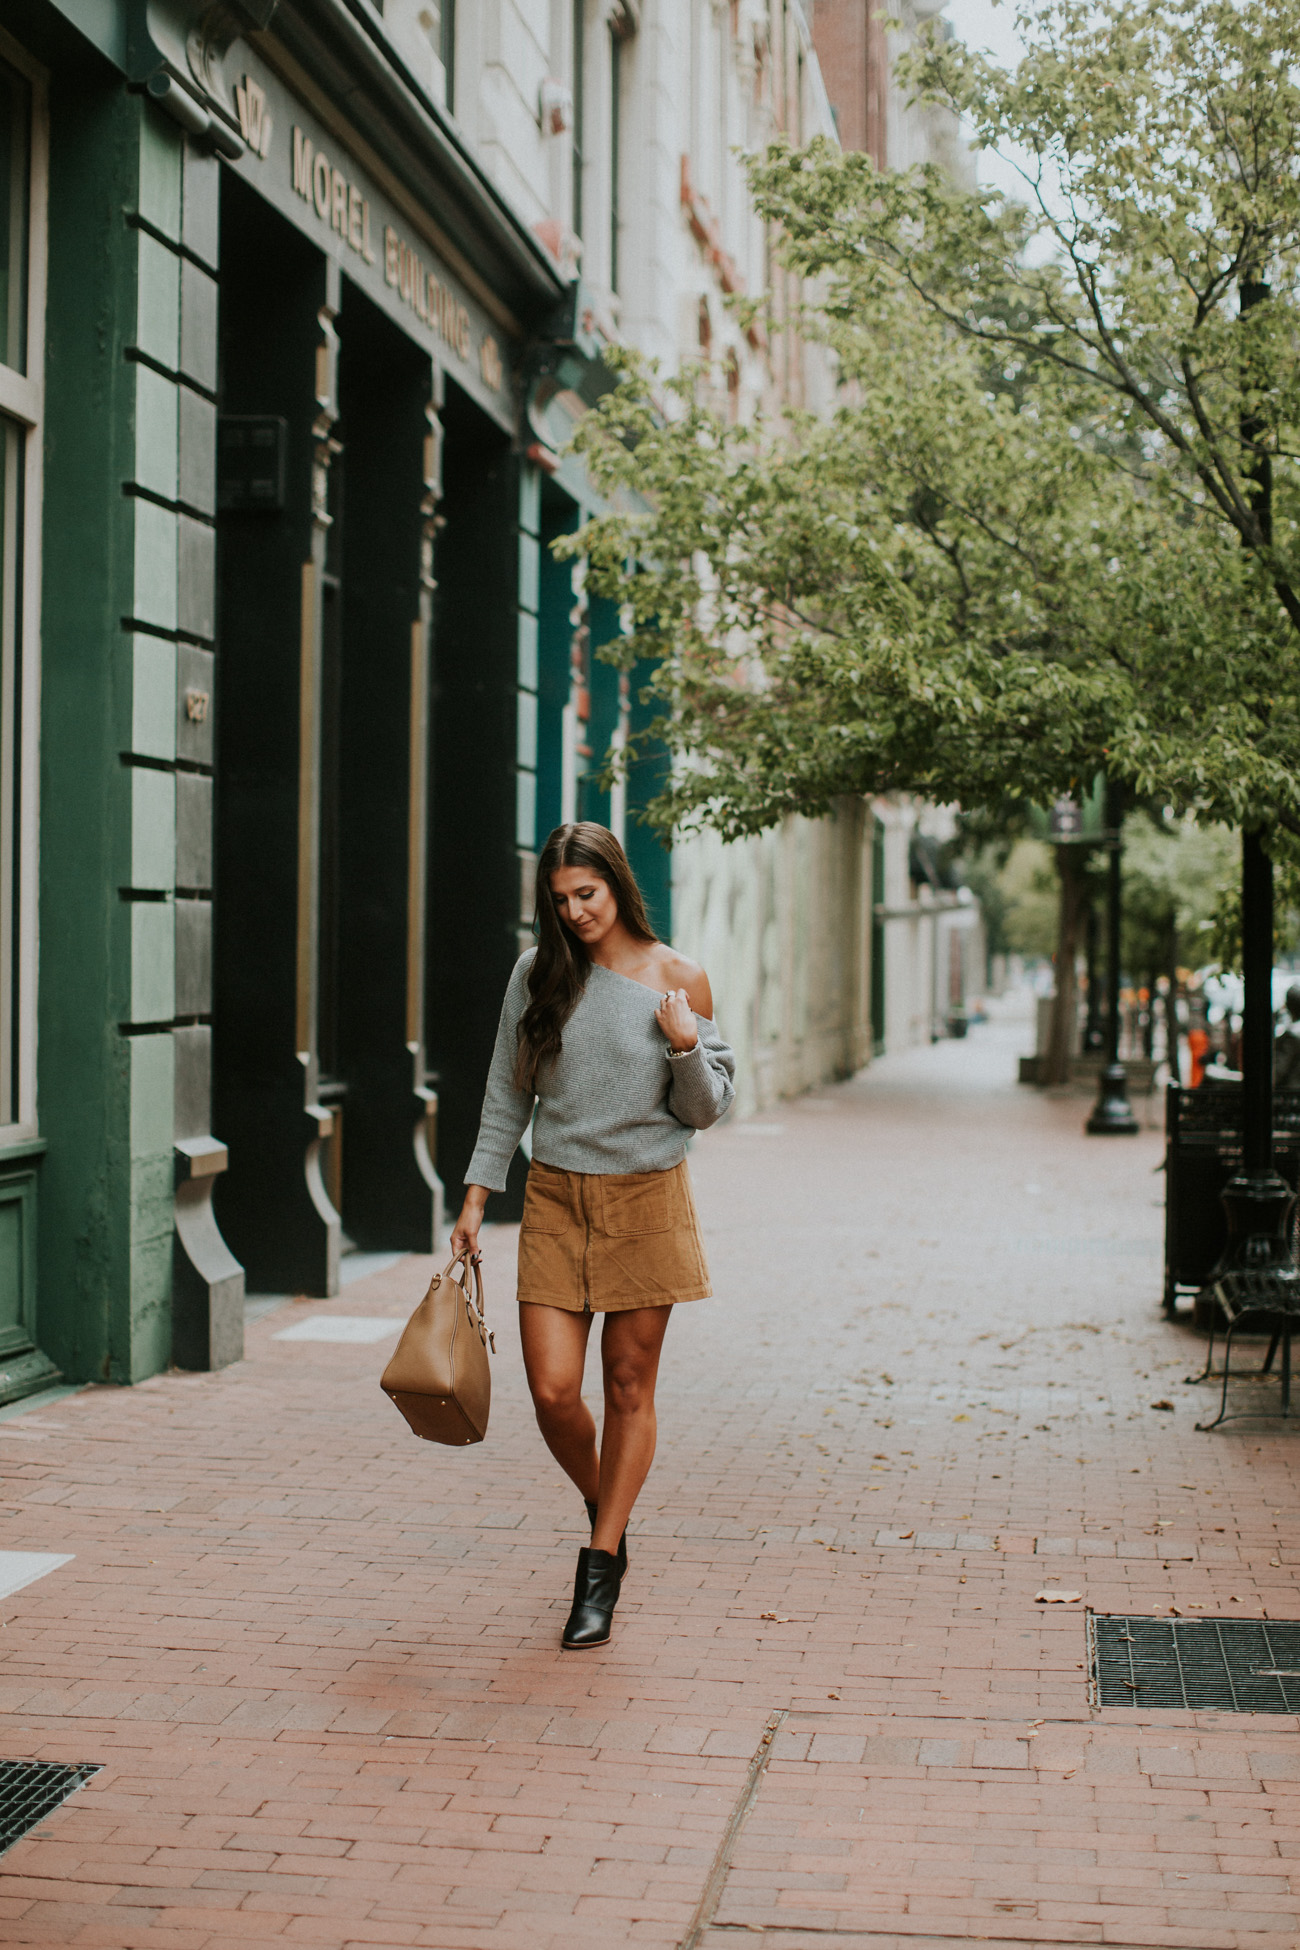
x=607 y=1042
x=1286 y=1044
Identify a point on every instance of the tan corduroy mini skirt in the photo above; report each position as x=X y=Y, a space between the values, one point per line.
x=604 y=1243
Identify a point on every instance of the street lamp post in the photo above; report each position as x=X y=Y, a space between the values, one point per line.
x=1111 y=1114
x=1257 y=1201
x=1094 y=1037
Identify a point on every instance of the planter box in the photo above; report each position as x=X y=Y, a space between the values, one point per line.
x=1085 y=1073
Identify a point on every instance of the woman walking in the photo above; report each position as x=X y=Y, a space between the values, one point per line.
x=609 y=1036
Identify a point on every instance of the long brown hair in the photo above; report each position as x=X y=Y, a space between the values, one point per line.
x=561 y=965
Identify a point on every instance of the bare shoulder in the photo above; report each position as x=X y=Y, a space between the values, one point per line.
x=680 y=972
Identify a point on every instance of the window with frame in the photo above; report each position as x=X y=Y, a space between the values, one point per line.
x=579 y=131
x=22 y=185
x=621 y=29
x=425 y=33
x=15 y=213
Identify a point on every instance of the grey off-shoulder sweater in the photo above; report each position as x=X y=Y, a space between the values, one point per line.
x=615 y=1099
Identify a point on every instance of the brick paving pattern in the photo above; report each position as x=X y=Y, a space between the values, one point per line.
x=319 y=1660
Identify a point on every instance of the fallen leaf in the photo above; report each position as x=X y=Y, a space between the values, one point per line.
x=776 y=1617
x=1165 y=1405
x=905 y=1534
x=832 y=1695
x=961 y=1418
x=1057 y=1597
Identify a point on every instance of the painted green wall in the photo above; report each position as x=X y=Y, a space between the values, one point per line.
x=652 y=861
x=554 y=637
x=593 y=797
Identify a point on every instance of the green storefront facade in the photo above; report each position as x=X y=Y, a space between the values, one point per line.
x=292 y=687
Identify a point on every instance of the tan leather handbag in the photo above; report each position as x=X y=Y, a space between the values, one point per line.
x=439 y=1375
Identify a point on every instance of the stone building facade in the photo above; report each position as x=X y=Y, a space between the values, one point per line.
x=301 y=300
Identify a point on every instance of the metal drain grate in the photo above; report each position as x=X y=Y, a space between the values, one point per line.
x=1237 y=1665
x=30 y=1789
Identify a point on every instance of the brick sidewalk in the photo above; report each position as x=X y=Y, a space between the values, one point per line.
x=319 y=1661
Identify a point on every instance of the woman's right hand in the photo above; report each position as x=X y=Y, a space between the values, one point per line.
x=464 y=1235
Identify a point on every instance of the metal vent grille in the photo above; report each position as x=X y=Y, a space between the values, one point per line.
x=30 y=1789
x=1234 y=1665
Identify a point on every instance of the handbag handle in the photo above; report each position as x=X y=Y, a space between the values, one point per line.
x=471 y=1263
x=475 y=1261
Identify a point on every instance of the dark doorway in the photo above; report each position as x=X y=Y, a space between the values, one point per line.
x=475 y=896
x=271 y=1202
x=375 y=704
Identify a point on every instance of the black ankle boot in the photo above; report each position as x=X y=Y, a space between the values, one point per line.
x=595 y=1594
x=622 y=1542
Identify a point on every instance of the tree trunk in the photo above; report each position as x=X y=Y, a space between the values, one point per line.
x=1060 y=1047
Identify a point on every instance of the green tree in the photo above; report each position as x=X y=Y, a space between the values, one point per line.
x=1033 y=540
x=1016 y=883
x=1176 y=875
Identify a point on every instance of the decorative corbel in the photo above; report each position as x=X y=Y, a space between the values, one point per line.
x=175 y=50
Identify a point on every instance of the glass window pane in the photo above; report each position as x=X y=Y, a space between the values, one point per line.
x=11 y=557
x=15 y=152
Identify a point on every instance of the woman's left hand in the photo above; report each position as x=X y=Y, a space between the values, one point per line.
x=676 y=1018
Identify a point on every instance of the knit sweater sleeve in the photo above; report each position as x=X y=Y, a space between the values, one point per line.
x=702 y=1088
x=506 y=1110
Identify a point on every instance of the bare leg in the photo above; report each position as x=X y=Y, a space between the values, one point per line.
x=630 y=1344
x=555 y=1353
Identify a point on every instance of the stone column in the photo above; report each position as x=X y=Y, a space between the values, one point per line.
x=207 y=1280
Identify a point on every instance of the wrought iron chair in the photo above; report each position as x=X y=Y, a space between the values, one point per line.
x=1267 y=1302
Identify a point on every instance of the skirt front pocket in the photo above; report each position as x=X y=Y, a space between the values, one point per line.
x=546 y=1201
x=635 y=1203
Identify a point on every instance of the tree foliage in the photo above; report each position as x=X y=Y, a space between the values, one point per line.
x=1033 y=538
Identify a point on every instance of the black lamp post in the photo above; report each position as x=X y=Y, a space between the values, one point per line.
x=1111 y=1114
x=1094 y=1037
x=1256 y=1200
